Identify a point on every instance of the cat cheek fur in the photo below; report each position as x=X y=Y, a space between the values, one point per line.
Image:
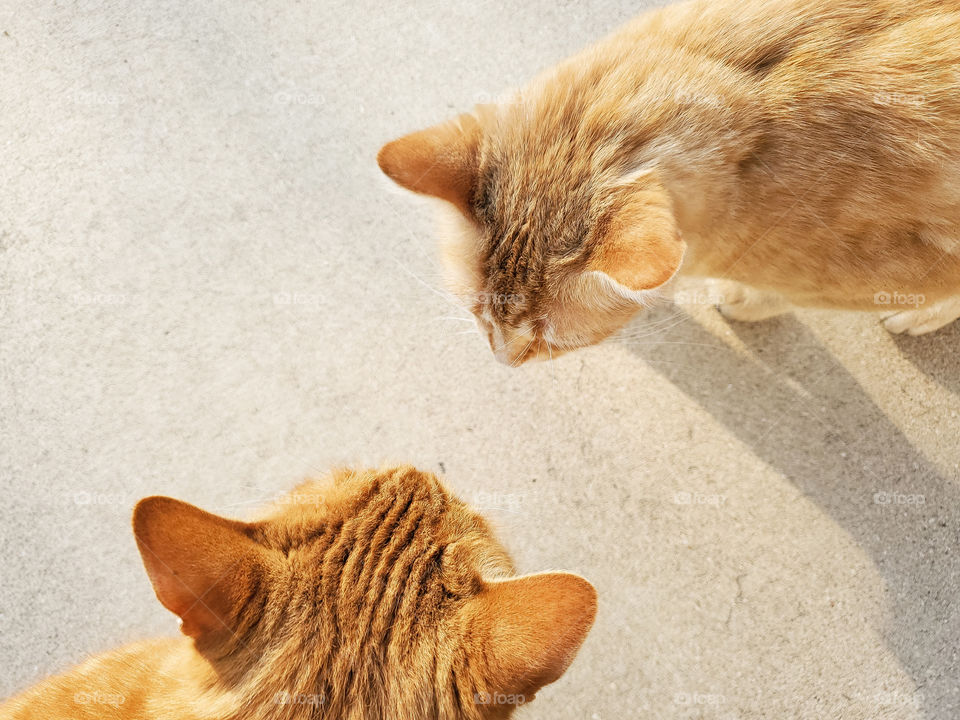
x=592 y=308
x=460 y=247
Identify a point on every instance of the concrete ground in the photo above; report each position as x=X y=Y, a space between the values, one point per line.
x=208 y=291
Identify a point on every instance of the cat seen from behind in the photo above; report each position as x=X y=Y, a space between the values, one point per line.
x=371 y=595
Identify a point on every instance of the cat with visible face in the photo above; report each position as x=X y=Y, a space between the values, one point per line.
x=372 y=595
x=800 y=152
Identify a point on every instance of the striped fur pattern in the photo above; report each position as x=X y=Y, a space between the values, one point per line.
x=802 y=152
x=364 y=596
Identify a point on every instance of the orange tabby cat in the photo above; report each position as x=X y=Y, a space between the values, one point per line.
x=371 y=595
x=801 y=151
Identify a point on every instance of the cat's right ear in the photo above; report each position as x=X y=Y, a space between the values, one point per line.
x=640 y=248
x=203 y=567
x=531 y=628
x=440 y=161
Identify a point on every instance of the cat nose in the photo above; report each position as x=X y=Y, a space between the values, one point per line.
x=513 y=353
x=504 y=358
x=501 y=351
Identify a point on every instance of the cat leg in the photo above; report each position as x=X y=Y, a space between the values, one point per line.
x=924 y=320
x=743 y=303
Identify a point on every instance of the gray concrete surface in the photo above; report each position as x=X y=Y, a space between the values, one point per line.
x=172 y=171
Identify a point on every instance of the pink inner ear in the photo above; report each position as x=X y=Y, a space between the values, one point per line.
x=196 y=619
x=641 y=248
x=200 y=565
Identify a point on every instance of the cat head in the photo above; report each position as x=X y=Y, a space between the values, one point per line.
x=367 y=595
x=553 y=242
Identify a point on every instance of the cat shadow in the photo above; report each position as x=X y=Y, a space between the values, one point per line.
x=806 y=416
x=936 y=355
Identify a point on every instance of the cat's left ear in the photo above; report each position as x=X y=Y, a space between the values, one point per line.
x=203 y=567
x=440 y=161
x=640 y=248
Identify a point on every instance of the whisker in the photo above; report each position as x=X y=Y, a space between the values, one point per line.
x=429 y=287
x=674 y=322
x=658 y=343
x=553 y=368
x=519 y=358
x=518 y=337
x=666 y=320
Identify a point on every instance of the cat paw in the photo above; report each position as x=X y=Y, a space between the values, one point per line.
x=924 y=320
x=745 y=304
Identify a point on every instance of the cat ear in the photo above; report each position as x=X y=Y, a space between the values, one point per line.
x=440 y=161
x=203 y=567
x=532 y=627
x=641 y=248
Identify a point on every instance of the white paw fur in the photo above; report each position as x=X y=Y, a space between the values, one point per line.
x=924 y=320
x=746 y=304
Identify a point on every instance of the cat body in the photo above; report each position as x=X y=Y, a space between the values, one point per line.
x=150 y=679
x=371 y=595
x=801 y=151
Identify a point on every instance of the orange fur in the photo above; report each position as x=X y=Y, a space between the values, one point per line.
x=371 y=595
x=806 y=151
